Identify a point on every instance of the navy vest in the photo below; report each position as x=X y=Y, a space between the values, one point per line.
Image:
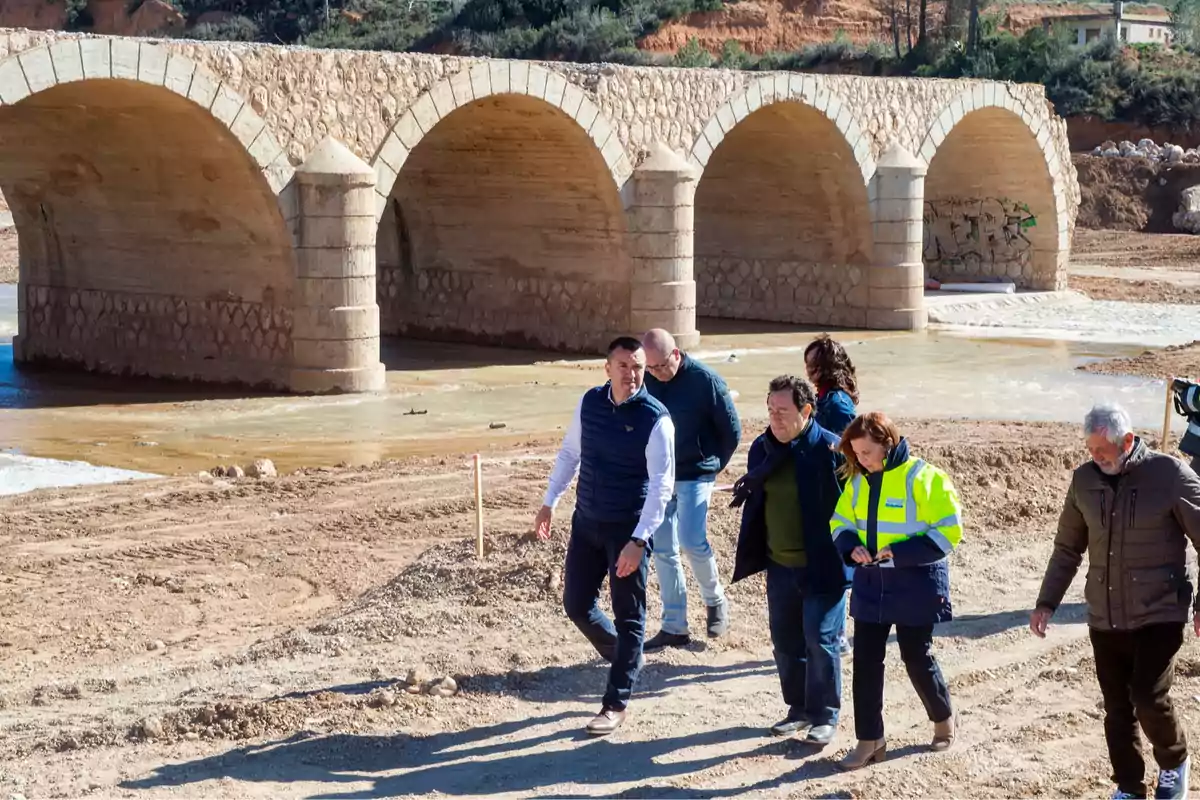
x=613 y=480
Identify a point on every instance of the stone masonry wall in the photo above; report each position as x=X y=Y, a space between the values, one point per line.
x=142 y=334
x=304 y=95
x=781 y=291
x=481 y=307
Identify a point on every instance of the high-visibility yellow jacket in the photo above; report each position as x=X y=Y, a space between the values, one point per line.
x=913 y=509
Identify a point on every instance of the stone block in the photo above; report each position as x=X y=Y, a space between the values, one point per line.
x=394 y=154
x=442 y=97
x=247 y=125
x=327 y=381
x=600 y=132
x=500 y=77
x=13 y=87
x=336 y=292
x=893 y=184
x=460 y=86
x=572 y=100
x=279 y=173
x=38 y=68
x=725 y=119
x=203 y=89
x=385 y=177
x=125 y=55
x=323 y=201
x=661 y=245
x=898 y=232
x=338 y=322
x=68 y=63
x=325 y=232
x=265 y=149
x=556 y=86
x=481 y=81
x=613 y=151
x=904 y=277
x=537 y=81
x=891 y=209
x=662 y=270
x=97 y=58
x=894 y=253
x=152 y=64
x=335 y=262
x=658 y=191
x=179 y=74
x=660 y=219
x=334 y=353
x=425 y=113
x=408 y=131
x=679 y=321
x=226 y=105
x=740 y=108
x=713 y=134
x=663 y=296
x=518 y=77
x=586 y=116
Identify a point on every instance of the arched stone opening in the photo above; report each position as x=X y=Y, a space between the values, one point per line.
x=990 y=207
x=504 y=226
x=783 y=222
x=150 y=240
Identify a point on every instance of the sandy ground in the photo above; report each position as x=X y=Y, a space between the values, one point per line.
x=8 y=255
x=1147 y=252
x=199 y=638
x=1182 y=361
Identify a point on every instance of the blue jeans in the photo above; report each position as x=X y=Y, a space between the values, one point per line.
x=591 y=555
x=804 y=633
x=685 y=529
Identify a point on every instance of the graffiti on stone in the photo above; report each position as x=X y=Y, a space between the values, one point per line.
x=979 y=236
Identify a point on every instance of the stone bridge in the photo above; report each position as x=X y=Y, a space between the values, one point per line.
x=258 y=214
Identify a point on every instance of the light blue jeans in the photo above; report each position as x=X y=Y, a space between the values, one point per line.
x=685 y=529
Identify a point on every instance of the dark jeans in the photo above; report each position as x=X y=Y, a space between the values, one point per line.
x=804 y=633
x=916 y=650
x=591 y=555
x=1135 y=669
x=1196 y=465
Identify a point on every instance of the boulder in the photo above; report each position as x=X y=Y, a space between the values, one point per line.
x=1187 y=218
x=262 y=468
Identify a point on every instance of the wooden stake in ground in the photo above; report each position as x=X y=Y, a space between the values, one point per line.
x=1166 y=431
x=478 y=505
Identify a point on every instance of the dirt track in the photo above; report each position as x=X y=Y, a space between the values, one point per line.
x=190 y=638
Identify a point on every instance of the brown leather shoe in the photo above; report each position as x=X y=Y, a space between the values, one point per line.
x=607 y=721
x=943 y=735
x=864 y=753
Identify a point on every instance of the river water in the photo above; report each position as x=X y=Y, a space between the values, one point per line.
x=444 y=398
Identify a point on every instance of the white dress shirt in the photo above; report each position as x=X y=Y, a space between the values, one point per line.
x=660 y=464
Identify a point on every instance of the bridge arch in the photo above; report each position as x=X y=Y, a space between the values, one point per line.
x=500 y=215
x=144 y=192
x=782 y=216
x=995 y=204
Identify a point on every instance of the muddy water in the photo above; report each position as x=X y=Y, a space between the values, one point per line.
x=448 y=399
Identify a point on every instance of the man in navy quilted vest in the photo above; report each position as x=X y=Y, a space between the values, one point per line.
x=621 y=443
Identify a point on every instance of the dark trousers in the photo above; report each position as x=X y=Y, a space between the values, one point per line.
x=591 y=555
x=1196 y=465
x=916 y=650
x=804 y=634
x=1135 y=670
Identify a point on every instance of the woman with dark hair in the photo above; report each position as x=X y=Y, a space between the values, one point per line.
x=897 y=521
x=832 y=373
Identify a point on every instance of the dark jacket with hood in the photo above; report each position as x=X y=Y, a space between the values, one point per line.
x=835 y=410
x=819 y=487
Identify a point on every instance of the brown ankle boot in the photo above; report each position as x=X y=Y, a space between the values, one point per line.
x=943 y=735
x=866 y=752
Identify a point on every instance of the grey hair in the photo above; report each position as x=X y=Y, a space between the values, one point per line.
x=1109 y=420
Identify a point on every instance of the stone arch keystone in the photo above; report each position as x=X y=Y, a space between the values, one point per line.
x=777 y=89
x=70 y=60
x=487 y=79
x=1041 y=130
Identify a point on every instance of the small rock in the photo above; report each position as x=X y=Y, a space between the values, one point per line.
x=174 y=585
x=192 y=736
x=151 y=727
x=497 y=425
x=416 y=680
x=147 y=444
x=204 y=476
x=217 y=471
x=234 y=471
x=554 y=582
x=157 y=644
x=262 y=468
x=446 y=687
x=383 y=698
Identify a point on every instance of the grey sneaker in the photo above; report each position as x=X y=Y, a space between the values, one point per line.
x=1173 y=783
x=718 y=619
x=789 y=726
x=821 y=734
x=663 y=640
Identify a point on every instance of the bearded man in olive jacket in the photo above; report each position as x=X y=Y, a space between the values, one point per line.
x=1132 y=511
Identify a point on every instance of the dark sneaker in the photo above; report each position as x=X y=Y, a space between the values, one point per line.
x=662 y=640
x=607 y=721
x=1173 y=783
x=718 y=619
x=790 y=726
x=1121 y=794
x=821 y=734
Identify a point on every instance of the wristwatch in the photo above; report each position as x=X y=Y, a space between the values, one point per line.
x=639 y=542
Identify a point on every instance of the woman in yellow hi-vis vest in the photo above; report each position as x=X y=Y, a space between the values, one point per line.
x=896 y=522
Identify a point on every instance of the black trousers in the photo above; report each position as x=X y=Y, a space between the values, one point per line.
x=1135 y=669
x=916 y=649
